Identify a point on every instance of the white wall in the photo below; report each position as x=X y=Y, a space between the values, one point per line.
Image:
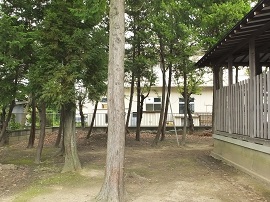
x=202 y=104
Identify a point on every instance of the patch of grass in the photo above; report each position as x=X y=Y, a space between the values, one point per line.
x=22 y=161
x=94 y=166
x=31 y=192
x=46 y=185
x=65 y=179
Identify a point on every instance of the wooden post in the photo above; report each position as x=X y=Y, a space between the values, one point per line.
x=252 y=58
x=217 y=83
x=230 y=72
x=252 y=88
x=258 y=67
x=236 y=74
x=220 y=78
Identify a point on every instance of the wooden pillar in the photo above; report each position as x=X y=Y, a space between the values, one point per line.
x=230 y=72
x=258 y=67
x=252 y=69
x=230 y=82
x=252 y=58
x=220 y=77
x=217 y=84
x=236 y=74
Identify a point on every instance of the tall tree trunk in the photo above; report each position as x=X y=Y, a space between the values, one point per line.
x=61 y=152
x=3 y=117
x=141 y=107
x=113 y=186
x=130 y=100
x=185 y=110
x=72 y=162
x=163 y=69
x=81 y=113
x=92 y=121
x=32 y=136
x=167 y=104
x=190 y=117
x=138 y=121
x=4 y=137
x=60 y=129
x=42 y=116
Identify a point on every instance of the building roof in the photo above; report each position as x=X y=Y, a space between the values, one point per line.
x=256 y=24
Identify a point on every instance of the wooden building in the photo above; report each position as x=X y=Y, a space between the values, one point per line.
x=242 y=109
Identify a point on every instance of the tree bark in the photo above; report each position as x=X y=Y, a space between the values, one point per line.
x=190 y=117
x=138 y=125
x=161 y=116
x=185 y=111
x=92 y=121
x=130 y=100
x=81 y=113
x=32 y=136
x=141 y=107
x=42 y=116
x=4 y=137
x=60 y=129
x=72 y=162
x=167 y=104
x=113 y=186
x=3 y=117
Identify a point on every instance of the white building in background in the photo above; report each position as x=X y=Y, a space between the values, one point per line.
x=201 y=106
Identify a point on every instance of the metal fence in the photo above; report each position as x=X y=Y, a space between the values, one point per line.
x=22 y=120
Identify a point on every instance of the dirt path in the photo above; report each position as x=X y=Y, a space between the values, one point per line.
x=166 y=173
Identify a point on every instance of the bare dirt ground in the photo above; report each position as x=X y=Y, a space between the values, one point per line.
x=166 y=173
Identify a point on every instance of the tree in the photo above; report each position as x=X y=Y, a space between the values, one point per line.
x=95 y=77
x=92 y=121
x=42 y=115
x=32 y=135
x=12 y=62
x=19 y=33
x=173 y=28
x=81 y=98
x=62 y=49
x=140 y=56
x=113 y=186
x=194 y=79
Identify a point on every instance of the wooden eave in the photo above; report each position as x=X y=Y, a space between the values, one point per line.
x=255 y=25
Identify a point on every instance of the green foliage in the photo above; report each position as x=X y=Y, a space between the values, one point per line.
x=12 y=44
x=195 y=80
x=141 y=54
x=14 y=125
x=216 y=18
x=68 y=51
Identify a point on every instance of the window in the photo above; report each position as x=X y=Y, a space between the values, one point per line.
x=153 y=104
x=104 y=99
x=104 y=104
x=182 y=105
